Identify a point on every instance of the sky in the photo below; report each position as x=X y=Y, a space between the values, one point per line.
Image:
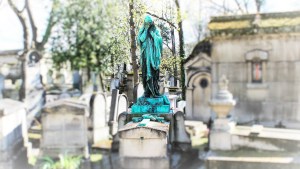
x=194 y=12
x=10 y=28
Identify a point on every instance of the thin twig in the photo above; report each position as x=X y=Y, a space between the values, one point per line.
x=163 y=19
x=167 y=46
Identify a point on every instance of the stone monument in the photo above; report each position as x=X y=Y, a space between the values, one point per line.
x=221 y=105
x=150 y=42
x=151 y=123
x=146 y=128
x=235 y=146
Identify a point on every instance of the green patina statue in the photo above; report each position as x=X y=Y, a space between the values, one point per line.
x=150 y=42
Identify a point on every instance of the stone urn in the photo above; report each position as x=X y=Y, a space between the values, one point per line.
x=223 y=102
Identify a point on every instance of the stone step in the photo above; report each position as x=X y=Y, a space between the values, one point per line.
x=247 y=159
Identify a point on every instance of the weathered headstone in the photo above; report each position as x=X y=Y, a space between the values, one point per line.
x=114 y=84
x=60 y=79
x=172 y=81
x=181 y=137
x=101 y=130
x=64 y=124
x=49 y=77
x=122 y=104
x=113 y=112
x=76 y=80
x=1 y=86
x=114 y=105
x=119 y=104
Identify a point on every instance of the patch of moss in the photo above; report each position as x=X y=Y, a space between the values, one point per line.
x=96 y=157
x=229 y=25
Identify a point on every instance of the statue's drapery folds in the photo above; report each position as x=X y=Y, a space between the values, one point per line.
x=150 y=42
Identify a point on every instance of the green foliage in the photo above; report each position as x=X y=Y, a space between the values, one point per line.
x=64 y=162
x=90 y=34
x=168 y=63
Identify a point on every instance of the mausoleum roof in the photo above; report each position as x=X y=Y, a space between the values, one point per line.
x=266 y=23
x=203 y=46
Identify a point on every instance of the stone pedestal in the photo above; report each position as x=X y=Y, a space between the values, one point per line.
x=220 y=138
x=151 y=105
x=148 y=141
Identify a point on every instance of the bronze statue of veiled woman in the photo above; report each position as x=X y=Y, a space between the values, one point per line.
x=150 y=42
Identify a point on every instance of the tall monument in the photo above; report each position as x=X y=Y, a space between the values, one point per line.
x=150 y=42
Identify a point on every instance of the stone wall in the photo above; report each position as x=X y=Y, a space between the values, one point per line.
x=276 y=99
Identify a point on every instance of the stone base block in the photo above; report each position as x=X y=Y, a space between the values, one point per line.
x=219 y=140
x=144 y=163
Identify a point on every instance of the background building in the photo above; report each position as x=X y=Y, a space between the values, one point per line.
x=260 y=56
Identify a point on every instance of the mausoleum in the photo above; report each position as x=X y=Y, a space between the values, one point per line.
x=260 y=56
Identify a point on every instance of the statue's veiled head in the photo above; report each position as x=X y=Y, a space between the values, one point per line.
x=148 y=21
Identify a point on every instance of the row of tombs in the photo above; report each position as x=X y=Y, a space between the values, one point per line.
x=93 y=118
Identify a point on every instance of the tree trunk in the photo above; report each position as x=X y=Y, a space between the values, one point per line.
x=27 y=44
x=102 y=88
x=22 y=91
x=133 y=47
x=181 y=48
x=174 y=55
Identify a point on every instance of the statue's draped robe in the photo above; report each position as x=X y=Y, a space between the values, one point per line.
x=151 y=48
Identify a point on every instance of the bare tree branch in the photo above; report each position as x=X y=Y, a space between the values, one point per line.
x=51 y=23
x=167 y=45
x=32 y=24
x=163 y=19
x=258 y=4
x=222 y=7
x=246 y=5
x=21 y=18
x=239 y=6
